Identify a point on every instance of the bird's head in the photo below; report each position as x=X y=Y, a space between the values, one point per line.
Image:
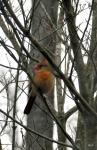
x=43 y=64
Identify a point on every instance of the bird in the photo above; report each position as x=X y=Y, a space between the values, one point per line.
x=44 y=81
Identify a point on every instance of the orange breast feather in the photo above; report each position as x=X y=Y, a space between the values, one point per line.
x=44 y=80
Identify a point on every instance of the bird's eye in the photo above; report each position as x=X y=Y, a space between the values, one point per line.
x=40 y=65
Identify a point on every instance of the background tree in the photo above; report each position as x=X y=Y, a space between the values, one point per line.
x=50 y=29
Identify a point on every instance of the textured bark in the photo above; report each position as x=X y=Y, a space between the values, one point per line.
x=91 y=136
x=80 y=134
x=90 y=122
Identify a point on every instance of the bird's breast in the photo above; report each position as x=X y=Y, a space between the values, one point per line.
x=44 y=80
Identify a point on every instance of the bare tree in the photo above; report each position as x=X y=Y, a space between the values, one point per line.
x=49 y=29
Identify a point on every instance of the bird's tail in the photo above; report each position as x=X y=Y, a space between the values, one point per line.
x=29 y=104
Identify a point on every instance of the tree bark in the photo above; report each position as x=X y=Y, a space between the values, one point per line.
x=41 y=29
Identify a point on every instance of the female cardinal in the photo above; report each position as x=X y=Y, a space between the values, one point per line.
x=44 y=81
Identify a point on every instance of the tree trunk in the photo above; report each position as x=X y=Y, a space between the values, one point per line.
x=86 y=129
x=86 y=132
x=91 y=137
x=41 y=29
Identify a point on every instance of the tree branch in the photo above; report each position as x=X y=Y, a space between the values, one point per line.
x=35 y=132
x=42 y=50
